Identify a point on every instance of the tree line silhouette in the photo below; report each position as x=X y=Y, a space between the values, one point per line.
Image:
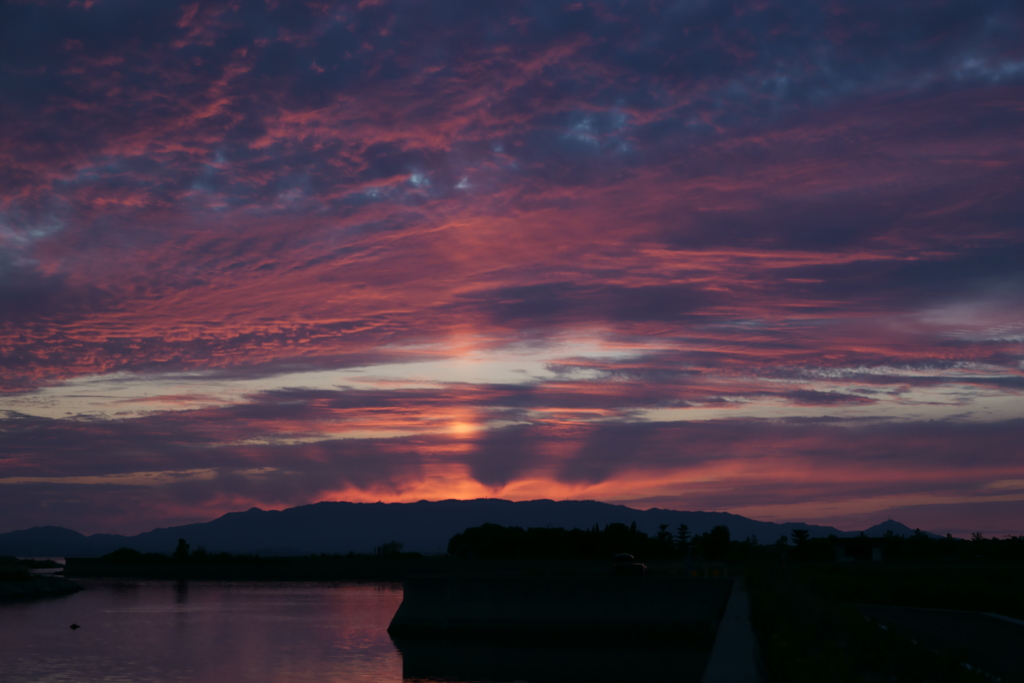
x=183 y=554
x=493 y=541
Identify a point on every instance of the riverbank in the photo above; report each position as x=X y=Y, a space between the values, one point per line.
x=257 y=568
x=36 y=587
x=354 y=568
x=808 y=630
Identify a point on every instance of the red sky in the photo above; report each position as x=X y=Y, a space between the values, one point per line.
x=762 y=257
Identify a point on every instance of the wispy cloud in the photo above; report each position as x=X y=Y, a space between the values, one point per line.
x=530 y=248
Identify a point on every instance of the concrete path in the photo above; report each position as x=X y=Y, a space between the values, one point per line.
x=735 y=657
x=991 y=642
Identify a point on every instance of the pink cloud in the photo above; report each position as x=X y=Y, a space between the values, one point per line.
x=750 y=210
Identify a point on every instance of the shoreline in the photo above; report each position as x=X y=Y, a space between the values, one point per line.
x=36 y=588
x=327 y=568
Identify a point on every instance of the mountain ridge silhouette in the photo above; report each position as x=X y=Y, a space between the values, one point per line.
x=423 y=526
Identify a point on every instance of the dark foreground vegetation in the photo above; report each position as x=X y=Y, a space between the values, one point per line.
x=13 y=569
x=499 y=542
x=17 y=582
x=808 y=636
x=387 y=564
x=805 y=592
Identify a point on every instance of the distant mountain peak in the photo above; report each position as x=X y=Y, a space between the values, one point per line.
x=897 y=528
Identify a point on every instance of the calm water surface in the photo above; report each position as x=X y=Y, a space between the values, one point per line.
x=206 y=632
x=167 y=631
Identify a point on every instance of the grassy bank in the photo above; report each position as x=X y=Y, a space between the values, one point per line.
x=809 y=631
x=971 y=586
x=18 y=583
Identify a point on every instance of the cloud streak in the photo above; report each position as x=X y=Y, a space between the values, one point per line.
x=395 y=249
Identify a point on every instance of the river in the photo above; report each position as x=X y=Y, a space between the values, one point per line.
x=273 y=632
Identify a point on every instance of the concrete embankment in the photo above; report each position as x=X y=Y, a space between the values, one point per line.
x=36 y=587
x=653 y=612
x=436 y=660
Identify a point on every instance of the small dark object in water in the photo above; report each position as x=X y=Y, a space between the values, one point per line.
x=74 y=626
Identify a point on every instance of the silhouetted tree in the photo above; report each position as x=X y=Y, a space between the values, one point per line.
x=663 y=545
x=389 y=549
x=181 y=552
x=800 y=538
x=716 y=543
x=682 y=538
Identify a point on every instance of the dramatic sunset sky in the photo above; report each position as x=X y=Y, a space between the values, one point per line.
x=758 y=257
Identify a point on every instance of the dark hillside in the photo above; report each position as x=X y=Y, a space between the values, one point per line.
x=424 y=527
